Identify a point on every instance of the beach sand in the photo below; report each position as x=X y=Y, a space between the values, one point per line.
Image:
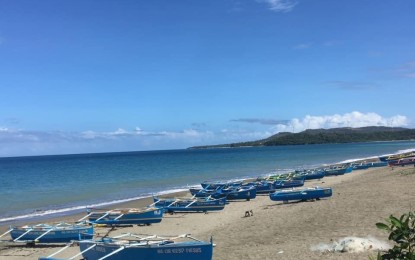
x=277 y=230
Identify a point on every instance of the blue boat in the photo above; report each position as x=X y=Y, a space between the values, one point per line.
x=340 y=170
x=283 y=184
x=310 y=174
x=301 y=194
x=56 y=233
x=238 y=193
x=262 y=186
x=377 y=164
x=360 y=166
x=220 y=184
x=134 y=247
x=206 y=192
x=128 y=216
x=190 y=205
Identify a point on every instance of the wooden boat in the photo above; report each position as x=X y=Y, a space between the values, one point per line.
x=220 y=184
x=395 y=157
x=366 y=165
x=262 y=186
x=402 y=162
x=377 y=164
x=45 y=233
x=190 y=205
x=314 y=174
x=340 y=170
x=360 y=166
x=133 y=247
x=127 y=216
x=206 y=192
x=301 y=194
x=238 y=193
x=283 y=184
x=284 y=176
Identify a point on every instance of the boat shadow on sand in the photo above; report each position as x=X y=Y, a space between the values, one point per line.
x=290 y=203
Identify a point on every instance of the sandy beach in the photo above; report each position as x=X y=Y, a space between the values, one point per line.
x=277 y=230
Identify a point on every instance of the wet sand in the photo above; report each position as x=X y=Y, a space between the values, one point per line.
x=277 y=230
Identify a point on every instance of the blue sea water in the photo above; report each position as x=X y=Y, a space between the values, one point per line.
x=40 y=186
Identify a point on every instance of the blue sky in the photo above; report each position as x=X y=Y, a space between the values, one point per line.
x=103 y=76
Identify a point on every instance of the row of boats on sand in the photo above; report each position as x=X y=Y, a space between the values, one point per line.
x=211 y=196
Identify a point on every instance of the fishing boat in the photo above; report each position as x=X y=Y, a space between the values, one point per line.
x=402 y=162
x=129 y=216
x=207 y=192
x=395 y=157
x=220 y=184
x=377 y=164
x=283 y=176
x=301 y=194
x=338 y=170
x=190 y=204
x=46 y=233
x=133 y=247
x=312 y=174
x=283 y=184
x=238 y=193
x=262 y=187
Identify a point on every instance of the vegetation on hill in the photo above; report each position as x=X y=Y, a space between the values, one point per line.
x=325 y=136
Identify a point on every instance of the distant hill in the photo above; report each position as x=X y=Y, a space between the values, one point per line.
x=326 y=136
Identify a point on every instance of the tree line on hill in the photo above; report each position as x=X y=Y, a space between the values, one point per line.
x=327 y=136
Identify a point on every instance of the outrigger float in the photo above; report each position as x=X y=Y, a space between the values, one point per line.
x=132 y=247
x=45 y=233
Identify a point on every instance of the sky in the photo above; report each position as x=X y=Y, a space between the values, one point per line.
x=85 y=76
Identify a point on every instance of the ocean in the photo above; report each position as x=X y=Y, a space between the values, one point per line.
x=36 y=187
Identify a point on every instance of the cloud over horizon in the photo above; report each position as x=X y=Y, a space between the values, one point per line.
x=353 y=119
x=17 y=142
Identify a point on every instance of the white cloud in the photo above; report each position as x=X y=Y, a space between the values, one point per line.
x=353 y=119
x=17 y=142
x=280 y=5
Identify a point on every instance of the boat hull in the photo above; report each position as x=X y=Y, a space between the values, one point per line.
x=168 y=251
x=302 y=194
x=129 y=218
x=402 y=162
x=242 y=193
x=170 y=205
x=340 y=171
x=283 y=184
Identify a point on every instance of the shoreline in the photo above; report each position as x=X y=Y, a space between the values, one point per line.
x=45 y=212
x=277 y=230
